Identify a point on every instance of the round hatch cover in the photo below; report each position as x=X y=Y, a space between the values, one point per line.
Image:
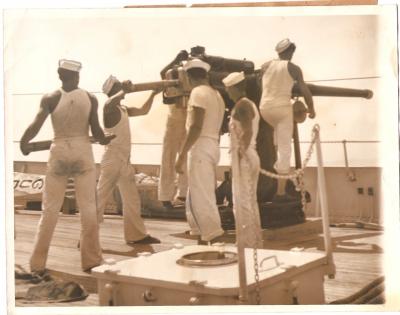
x=208 y=258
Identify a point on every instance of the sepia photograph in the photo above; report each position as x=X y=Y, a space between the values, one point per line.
x=159 y=159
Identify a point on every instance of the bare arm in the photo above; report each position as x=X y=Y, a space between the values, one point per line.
x=97 y=131
x=197 y=119
x=113 y=102
x=183 y=55
x=297 y=75
x=34 y=128
x=244 y=114
x=133 y=111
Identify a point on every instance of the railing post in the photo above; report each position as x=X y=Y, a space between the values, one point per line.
x=324 y=206
x=350 y=174
x=317 y=211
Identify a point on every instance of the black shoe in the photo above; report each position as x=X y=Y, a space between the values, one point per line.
x=167 y=205
x=220 y=238
x=146 y=240
x=201 y=242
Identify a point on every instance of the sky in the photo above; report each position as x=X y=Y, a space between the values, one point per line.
x=136 y=44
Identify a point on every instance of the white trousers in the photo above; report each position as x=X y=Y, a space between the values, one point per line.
x=174 y=136
x=69 y=158
x=201 y=206
x=117 y=172
x=281 y=119
x=245 y=179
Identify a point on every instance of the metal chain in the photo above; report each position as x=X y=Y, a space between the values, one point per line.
x=256 y=275
x=297 y=177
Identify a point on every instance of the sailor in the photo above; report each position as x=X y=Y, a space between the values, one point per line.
x=278 y=77
x=205 y=114
x=115 y=168
x=174 y=135
x=243 y=127
x=73 y=111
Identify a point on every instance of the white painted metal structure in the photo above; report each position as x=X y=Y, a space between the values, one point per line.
x=158 y=280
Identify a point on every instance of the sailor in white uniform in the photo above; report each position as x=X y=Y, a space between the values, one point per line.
x=172 y=189
x=116 y=168
x=243 y=127
x=278 y=78
x=72 y=112
x=201 y=146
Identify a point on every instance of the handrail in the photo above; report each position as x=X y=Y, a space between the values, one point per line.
x=322 y=194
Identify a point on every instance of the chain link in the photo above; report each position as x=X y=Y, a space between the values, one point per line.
x=256 y=276
x=298 y=179
x=297 y=176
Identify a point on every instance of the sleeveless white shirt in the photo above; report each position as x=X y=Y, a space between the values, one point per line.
x=121 y=145
x=70 y=118
x=277 y=84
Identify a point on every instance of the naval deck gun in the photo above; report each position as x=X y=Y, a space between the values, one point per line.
x=290 y=213
x=176 y=85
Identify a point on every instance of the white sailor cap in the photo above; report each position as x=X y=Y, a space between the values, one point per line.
x=109 y=83
x=196 y=63
x=70 y=65
x=283 y=45
x=233 y=78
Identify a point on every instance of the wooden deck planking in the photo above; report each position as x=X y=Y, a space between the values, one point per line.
x=357 y=253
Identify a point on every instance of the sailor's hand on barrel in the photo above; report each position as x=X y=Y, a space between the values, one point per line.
x=311 y=113
x=157 y=90
x=107 y=139
x=182 y=55
x=25 y=148
x=126 y=86
x=180 y=162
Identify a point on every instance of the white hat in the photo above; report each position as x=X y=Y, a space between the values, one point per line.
x=196 y=63
x=233 y=78
x=109 y=83
x=283 y=45
x=70 y=65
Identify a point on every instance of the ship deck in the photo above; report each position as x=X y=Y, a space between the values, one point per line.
x=357 y=253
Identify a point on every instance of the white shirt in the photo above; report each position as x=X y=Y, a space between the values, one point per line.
x=121 y=145
x=277 y=84
x=70 y=118
x=206 y=97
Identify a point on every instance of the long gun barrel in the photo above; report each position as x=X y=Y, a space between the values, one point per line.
x=320 y=90
x=154 y=85
x=254 y=83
